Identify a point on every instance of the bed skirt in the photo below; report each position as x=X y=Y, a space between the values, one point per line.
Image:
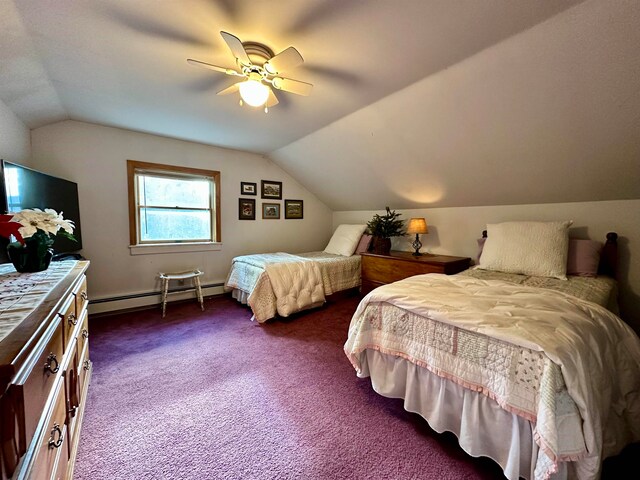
x=483 y=428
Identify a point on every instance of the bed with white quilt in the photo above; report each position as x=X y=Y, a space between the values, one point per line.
x=280 y=284
x=522 y=357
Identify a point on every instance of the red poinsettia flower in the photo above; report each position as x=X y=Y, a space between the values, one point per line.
x=8 y=228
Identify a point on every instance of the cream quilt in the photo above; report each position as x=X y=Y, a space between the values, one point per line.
x=289 y=282
x=569 y=366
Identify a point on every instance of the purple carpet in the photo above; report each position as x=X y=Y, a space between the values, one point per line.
x=212 y=395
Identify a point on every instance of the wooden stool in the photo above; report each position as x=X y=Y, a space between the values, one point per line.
x=194 y=275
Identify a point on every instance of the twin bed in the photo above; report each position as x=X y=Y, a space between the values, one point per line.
x=526 y=362
x=281 y=284
x=533 y=371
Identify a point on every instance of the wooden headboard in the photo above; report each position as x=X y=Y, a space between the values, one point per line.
x=608 y=256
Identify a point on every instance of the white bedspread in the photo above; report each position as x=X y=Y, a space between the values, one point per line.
x=294 y=282
x=579 y=358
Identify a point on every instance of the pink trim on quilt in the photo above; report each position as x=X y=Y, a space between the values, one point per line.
x=530 y=416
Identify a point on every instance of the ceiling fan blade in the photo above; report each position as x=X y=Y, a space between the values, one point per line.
x=215 y=68
x=285 y=60
x=272 y=100
x=235 y=45
x=293 y=86
x=232 y=89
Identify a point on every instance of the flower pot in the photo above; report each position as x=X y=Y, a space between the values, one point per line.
x=381 y=246
x=34 y=256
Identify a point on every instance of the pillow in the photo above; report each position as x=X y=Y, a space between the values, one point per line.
x=364 y=244
x=583 y=258
x=345 y=239
x=529 y=248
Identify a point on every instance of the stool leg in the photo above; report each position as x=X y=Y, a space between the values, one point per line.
x=199 y=292
x=165 y=289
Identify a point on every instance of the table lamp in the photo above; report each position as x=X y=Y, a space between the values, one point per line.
x=417 y=226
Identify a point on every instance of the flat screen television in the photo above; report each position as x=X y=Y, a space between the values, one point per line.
x=22 y=187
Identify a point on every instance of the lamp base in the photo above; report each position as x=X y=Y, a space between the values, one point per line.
x=417 y=245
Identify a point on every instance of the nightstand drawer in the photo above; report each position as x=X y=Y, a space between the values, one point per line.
x=383 y=270
x=379 y=270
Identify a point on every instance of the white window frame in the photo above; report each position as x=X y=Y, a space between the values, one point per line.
x=137 y=246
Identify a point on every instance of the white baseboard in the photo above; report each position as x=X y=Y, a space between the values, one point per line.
x=105 y=305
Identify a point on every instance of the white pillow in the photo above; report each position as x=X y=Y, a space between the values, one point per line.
x=528 y=248
x=345 y=239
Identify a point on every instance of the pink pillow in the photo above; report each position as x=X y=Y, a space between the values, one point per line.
x=583 y=258
x=363 y=244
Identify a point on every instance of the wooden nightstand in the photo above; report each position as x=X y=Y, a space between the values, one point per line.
x=382 y=269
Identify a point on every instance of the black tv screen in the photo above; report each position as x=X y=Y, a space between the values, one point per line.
x=23 y=187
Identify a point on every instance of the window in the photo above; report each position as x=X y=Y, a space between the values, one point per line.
x=171 y=205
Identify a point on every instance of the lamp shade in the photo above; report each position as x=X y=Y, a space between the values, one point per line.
x=417 y=225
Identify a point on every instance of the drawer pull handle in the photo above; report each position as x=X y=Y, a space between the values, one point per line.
x=72 y=319
x=86 y=365
x=83 y=295
x=72 y=411
x=56 y=430
x=51 y=359
x=85 y=333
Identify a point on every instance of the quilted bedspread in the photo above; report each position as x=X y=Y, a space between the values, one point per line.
x=291 y=282
x=569 y=366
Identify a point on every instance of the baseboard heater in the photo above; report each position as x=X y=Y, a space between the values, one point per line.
x=150 y=294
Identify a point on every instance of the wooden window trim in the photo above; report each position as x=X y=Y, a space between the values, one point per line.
x=132 y=165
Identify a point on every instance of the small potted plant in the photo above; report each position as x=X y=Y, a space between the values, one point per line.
x=382 y=228
x=35 y=231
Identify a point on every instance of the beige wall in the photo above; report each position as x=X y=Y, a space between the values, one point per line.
x=95 y=157
x=454 y=231
x=15 y=142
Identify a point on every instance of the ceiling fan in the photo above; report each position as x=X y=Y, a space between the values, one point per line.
x=261 y=69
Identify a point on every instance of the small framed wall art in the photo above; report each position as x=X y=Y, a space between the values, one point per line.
x=293 y=209
x=247 y=209
x=271 y=189
x=270 y=210
x=248 y=188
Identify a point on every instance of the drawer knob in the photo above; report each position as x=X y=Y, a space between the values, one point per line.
x=72 y=319
x=51 y=360
x=85 y=333
x=83 y=295
x=56 y=431
x=72 y=411
x=86 y=365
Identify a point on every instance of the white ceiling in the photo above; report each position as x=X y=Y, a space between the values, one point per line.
x=415 y=102
x=122 y=63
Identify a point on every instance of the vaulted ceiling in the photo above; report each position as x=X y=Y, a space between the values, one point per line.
x=415 y=102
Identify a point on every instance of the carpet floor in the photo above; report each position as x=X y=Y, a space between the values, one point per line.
x=212 y=395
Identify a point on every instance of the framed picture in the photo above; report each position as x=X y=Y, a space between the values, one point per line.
x=247 y=209
x=271 y=189
x=270 y=210
x=248 y=188
x=293 y=209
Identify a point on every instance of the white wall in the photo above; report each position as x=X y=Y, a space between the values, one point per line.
x=454 y=231
x=95 y=157
x=15 y=141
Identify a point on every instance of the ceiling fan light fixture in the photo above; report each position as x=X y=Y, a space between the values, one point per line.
x=253 y=91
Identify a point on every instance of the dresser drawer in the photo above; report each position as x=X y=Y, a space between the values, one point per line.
x=51 y=454
x=69 y=321
x=34 y=384
x=83 y=333
x=81 y=296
